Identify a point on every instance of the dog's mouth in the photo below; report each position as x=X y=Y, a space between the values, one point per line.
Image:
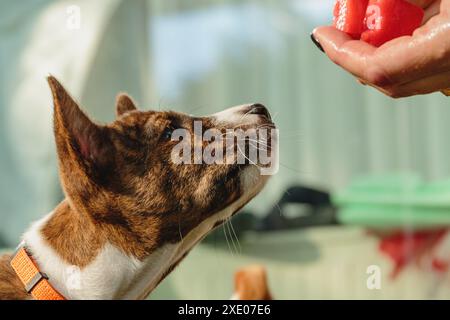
x=244 y=117
x=253 y=136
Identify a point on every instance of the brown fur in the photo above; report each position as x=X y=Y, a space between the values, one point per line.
x=251 y=283
x=122 y=187
x=10 y=286
x=121 y=183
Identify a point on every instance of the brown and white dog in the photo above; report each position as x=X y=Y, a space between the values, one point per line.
x=130 y=214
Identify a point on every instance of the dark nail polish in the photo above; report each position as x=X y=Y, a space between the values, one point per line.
x=317 y=43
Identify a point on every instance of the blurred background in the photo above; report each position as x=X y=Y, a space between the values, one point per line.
x=360 y=205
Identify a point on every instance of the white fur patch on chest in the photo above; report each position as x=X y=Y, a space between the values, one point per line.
x=110 y=273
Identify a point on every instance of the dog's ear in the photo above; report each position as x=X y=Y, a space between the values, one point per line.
x=124 y=104
x=79 y=141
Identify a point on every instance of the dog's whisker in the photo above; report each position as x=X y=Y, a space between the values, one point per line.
x=275 y=115
x=259 y=142
x=235 y=235
x=243 y=154
x=226 y=239
x=279 y=209
x=292 y=169
x=227 y=223
x=179 y=228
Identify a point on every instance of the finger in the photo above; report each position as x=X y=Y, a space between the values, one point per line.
x=401 y=60
x=350 y=54
x=426 y=85
x=410 y=58
x=432 y=10
x=370 y=64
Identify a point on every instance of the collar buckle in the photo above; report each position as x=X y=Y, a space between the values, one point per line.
x=35 y=282
x=38 y=277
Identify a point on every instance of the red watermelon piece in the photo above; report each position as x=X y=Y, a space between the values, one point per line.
x=389 y=19
x=349 y=16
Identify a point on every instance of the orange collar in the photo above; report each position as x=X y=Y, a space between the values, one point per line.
x=36 y=283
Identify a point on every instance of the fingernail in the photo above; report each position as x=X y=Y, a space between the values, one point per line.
x=317 y=43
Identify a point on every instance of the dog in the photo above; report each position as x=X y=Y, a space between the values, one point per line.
x=130 y=214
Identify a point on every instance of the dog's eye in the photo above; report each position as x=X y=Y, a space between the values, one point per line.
x=167 y=133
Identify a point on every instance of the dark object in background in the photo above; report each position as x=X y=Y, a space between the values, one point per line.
x=311 y=208
x=314 y=209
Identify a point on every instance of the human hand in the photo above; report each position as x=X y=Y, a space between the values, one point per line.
x=406 y=66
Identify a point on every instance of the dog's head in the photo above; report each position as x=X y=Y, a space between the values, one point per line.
x=124 y=177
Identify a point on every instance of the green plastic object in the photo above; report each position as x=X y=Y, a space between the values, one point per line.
x=395 y=201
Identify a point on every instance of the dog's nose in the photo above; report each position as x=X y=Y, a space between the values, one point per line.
x=259 y=109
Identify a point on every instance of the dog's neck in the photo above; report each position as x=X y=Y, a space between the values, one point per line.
x=110 y=275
